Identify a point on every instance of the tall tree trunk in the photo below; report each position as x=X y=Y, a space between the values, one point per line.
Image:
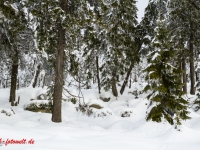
x=14 y=73
x=58 y=85
x=184 y=76
x=126 y=79
x=98 y=79
x=192 y=72
x=36 y=76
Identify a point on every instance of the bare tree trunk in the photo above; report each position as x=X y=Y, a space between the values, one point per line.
x=14 y=73
x=126 y=79
x=58 y=85
x=43 y=84
x=114 y=82
x=36 y=76
x=98 y=79
x=130 y=81
x=192 y=72
x=184 y=76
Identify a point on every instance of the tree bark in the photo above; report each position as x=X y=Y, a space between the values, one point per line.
x=36 y=76
x=58 y=85
x=43 y=82
x=192 y=72
x=114 y=82
x=14 y=73
x=98 y=79
x=184 y=76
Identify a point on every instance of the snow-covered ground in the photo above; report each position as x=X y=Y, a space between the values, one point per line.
x=104 y=130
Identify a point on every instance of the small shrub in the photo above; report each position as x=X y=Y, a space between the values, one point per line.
x=105 y=99
x=85 y=109
x=103 y=113
x=97 y=106
x=5 y=112
x=73 y=100
x=41 y=107
x=42 y=97
x=126 y=114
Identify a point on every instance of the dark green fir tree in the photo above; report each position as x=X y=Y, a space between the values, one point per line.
x=197 y=101
x=166 y=97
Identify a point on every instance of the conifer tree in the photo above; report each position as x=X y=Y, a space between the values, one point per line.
x=55 y=20
x=13 y=26
x=166 y=97
x=184 y=22
x=197 y=101
x=120 y=21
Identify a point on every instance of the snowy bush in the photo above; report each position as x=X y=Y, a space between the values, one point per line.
x=6 y=112
x=126 y=113
x=105 y=99
x=103 y=113
x=42 y=106
x=87 y=109
x=73 y=100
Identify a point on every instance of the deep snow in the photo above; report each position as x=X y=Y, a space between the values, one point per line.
x=97 y=132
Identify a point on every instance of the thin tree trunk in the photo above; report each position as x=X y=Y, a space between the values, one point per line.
x=130 y=81
x=184 y=76
x=43 y=83
x=14 y=73
x=126 y=79
x=192 y=72
x=98 y=79
x=36 y=76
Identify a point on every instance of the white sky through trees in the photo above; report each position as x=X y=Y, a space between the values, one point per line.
x=141 y=4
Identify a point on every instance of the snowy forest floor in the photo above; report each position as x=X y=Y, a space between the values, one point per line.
x=104 y=130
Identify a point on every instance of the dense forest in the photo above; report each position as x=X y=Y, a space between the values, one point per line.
x=62 y=43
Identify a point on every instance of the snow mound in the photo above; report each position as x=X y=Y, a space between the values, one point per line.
x=122 y=125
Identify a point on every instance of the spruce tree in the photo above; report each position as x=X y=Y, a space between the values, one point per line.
x=166 y=97
x=55 y=20
x=13 y=28
x=197 y=101
x=120 y=22
x=184 y=22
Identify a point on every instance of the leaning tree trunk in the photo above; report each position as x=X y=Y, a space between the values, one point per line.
x=14 y=73
x=126 y=79
x=192 y=72
x=36 y=76
x=129 y=72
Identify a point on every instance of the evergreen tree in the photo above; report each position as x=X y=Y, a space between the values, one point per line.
x=56 y=22
x=13 y=28
x=166 y=97
x=119 y=20
x=184 y=22
x=197 y=101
